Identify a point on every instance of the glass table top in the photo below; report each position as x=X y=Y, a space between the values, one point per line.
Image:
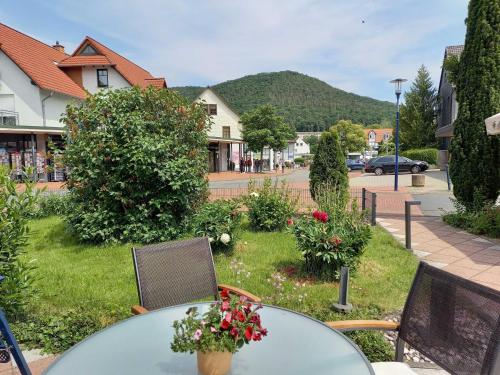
x=296 y=344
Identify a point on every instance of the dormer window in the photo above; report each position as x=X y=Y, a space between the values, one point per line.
x=102 y=77
x=88 y=51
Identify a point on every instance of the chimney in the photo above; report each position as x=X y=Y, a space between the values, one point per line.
x=58 y=47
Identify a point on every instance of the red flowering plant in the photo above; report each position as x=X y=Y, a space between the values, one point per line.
x=226 y=326
x=330 y=241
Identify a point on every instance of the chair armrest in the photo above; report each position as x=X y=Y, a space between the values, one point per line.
x=240 y=292
x=363 y=325
x=138 y=310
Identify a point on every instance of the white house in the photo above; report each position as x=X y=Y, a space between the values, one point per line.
x=301 y=147
x=225 y=146
x=37 y=81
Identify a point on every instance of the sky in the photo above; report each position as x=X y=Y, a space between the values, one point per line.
x=355 y=45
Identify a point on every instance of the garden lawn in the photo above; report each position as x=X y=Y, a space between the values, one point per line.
x=99 y=280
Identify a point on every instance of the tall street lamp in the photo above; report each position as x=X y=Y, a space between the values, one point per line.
x=398 y=84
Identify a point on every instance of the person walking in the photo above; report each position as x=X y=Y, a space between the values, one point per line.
x=282 y=166
x=242 y=165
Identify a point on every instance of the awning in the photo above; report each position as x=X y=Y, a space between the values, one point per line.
x=444 y=131
x=493 y=124
x=31 y=130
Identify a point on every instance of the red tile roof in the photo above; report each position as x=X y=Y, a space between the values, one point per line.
x=38 y=61
x=84 y=61
x=42 y=63
x=379 y=133
x=133 y=73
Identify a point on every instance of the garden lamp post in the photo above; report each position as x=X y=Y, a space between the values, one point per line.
x=398 y=83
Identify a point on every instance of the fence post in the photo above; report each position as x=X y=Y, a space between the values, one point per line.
x=363 y=199
x=448 y=176
x=343 y=305
x=408 y=205
x=374 y=209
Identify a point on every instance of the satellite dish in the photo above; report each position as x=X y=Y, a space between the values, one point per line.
x=493 y=125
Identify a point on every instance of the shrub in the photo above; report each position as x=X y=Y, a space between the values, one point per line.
x=269 y=207
x=137 y=162
x=482 y=221
x=56 y=333
x=52 y=204
x=429 y=155
x=219 y=221
x=299 y=160
x=329 y=165
x=16 y=207
x=331 y=237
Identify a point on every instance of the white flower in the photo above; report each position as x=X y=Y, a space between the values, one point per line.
x=210 y=239
x=254 y=194
x=225 y=238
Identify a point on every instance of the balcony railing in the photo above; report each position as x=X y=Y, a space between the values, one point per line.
x=8 y=118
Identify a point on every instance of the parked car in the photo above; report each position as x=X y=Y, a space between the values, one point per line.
x=387 y=164
x=353 y=165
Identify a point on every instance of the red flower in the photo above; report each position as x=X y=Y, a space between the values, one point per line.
x=337 y=240
x=257 y=336
x=320 y=216
x=224 y=324
x=249 y=333
x=263 y=332
x=224 y=294
x=240 y=316
x=234 y=332
x=289 y=222
x=225 y=306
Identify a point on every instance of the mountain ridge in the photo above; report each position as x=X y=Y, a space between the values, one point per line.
x=306 y=102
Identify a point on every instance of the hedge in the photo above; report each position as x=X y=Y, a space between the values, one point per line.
x=429 y=155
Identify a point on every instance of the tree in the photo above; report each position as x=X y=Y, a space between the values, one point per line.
x=351 y=136
x=418 y=119
x=474 y=162
x=137 y=163
x=312 y=141
x=329 y=169
x=263 y=127
x=387 y=147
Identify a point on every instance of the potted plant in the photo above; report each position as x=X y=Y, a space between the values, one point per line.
x=219 y=333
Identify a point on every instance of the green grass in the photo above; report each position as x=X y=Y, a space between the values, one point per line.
x=82 y=288
x=101 y=278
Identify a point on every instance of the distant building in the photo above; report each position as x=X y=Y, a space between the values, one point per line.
x=37 y=81
x=301 y=146
x=374 y=137
x=448 y=108
x=225 y=146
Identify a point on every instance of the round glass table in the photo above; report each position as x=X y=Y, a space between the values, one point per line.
x=296 y=344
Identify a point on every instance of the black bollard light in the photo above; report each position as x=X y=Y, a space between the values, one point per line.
x=343 y=305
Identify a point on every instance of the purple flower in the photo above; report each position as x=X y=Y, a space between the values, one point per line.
x=197 y=335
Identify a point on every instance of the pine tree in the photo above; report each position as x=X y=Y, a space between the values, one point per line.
x=475 y=156
x=329 y=165
x=418 y=125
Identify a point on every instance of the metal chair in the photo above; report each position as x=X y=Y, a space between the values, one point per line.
x=453 y=321
x=9 y=346
x=177 y=272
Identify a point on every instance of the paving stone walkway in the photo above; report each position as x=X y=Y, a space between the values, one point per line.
x=472 y=257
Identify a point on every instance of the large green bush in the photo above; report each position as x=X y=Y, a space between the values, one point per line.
x=16 y=208
x=482 y=221
x=51 y=204
x=219 y=221
x=429 y=155
x=329 y=165
x=269 y=206
x=137 y=161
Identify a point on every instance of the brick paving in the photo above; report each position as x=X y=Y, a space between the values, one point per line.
x=37 y=367
x=472 y=257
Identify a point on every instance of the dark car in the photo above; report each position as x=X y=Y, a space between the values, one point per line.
x=353 y=165
x=387 y=164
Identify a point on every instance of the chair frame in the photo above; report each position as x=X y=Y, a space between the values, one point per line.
x=381 y=325
x=140 y=309
x=11 y=342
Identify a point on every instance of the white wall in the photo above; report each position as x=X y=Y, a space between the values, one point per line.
x=89 y=79
x=27 y=98
x=225 y=116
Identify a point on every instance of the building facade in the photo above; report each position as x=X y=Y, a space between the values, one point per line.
x=374 y=138
x=37 y=81
x=448 y=108
x=225 y=147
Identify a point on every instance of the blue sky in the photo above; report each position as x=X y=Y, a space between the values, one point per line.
x=206 y=42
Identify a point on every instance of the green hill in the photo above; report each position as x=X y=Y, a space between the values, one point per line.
x=306 y=102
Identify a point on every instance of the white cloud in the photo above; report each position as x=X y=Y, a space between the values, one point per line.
x=204 y=42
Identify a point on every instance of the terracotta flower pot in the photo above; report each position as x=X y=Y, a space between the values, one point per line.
x=214 y=363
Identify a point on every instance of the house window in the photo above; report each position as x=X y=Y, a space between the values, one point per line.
x=102 y=77
x=88 y=51
x=226 y=132
x=212 y=109
x=386 y=136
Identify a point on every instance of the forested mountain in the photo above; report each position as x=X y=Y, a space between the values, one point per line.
x=306 y=102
